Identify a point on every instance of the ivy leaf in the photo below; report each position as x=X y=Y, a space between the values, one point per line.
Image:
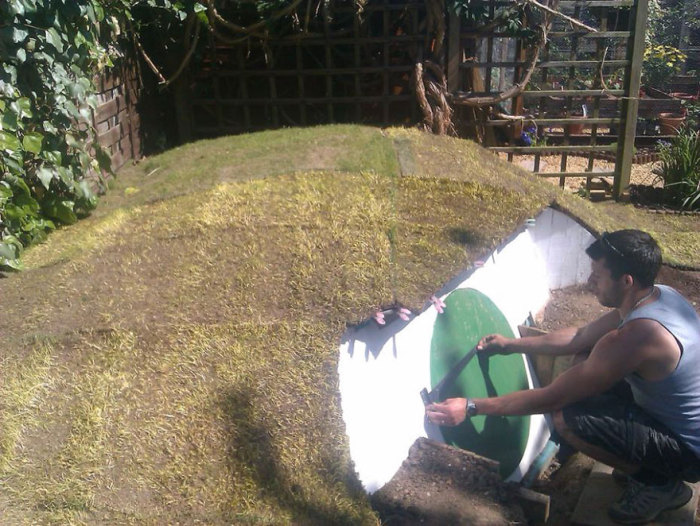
x=17 y=183
x=59 y=209
x=66 y=175
x=23 y=107
x=19 y=35
x=9 y=120
x=53 y=157
x=5 y=192
x=9 y=256
x=49 y=128
x=70 y=140
x=45 y=176
x=32 y=142
x=16 y=7
x=53 y=38
x=9 y=141
x=76 y=90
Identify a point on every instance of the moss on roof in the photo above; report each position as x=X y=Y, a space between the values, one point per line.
x=174 y=356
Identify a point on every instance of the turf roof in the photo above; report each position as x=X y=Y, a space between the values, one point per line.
x=174 y=356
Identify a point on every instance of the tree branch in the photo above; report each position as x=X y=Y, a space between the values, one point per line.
x=187 y=57
x=551 y=11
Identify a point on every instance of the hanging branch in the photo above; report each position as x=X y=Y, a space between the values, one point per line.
x=190 y=52
x=148 y=60
x=162 y=81
x=551 y=11
x=252 y=29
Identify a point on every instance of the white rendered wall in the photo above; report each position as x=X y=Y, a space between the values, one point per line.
x=382 y=370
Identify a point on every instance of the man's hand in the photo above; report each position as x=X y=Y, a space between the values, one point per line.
x=493 y=344
x=451 y=412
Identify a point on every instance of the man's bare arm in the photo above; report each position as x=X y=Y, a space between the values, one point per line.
x=555 y=343
x=608 y=363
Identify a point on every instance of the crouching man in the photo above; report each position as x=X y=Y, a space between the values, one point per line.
x=632 y=400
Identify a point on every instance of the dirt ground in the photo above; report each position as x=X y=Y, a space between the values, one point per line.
x=575 y=306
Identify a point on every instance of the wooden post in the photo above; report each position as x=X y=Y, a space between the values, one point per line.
x=454 y=53
x=630 y=104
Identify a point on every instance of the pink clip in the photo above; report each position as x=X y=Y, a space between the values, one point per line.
x=438 y=304
x=403 y=313
x=379 y=317
x=478 y=263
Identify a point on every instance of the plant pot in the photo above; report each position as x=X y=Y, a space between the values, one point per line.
x=576 y=128
x=670 y=123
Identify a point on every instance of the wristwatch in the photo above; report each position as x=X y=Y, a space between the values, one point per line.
x=471 y=408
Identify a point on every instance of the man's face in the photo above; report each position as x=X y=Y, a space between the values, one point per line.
x=608 y=290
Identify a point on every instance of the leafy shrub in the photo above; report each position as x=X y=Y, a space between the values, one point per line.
x=680 y=169
x=50 y=51
x=660 y=64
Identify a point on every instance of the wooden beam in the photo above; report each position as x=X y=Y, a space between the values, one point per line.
x=630 y=104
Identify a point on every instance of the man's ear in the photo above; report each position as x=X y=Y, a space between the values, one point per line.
x=628 y=280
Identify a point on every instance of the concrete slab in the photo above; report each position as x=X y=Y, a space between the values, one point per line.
x=601 y=491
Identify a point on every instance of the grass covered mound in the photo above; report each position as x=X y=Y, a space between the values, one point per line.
x=173 y=358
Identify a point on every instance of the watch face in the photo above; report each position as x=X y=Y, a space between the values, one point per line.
x=471 y=408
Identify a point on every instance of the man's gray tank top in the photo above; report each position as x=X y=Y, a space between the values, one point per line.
x=675 y=400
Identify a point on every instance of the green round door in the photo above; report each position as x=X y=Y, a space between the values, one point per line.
x=469 y=315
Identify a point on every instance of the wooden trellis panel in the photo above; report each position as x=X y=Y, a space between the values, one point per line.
x=599 y=70
x=348 y=67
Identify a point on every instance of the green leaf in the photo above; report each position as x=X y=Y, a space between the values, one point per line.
x=54 y=38
x=9 y=120
x=76 y=90
x=32 y=142
x=59 y=209
x=70 y=140
x=16 y=7
x=9 y=256
x=5 y=192
x=53 y=156
x=45 y=176
x=9 y=141
x=17 y=183
x=66 y=175
x=49 y=128
x=23 y=107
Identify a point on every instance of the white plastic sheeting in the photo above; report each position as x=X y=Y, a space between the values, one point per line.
x=382 y=370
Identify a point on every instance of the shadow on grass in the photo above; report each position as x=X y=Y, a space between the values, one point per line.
x=465 y=238
x=251 y=446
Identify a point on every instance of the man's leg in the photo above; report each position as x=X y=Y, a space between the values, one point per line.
x=613 y=430
x=595 y=452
